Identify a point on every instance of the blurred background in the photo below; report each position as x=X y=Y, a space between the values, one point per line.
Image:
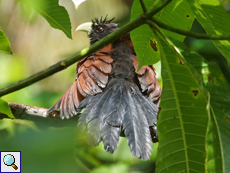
x=36 y=45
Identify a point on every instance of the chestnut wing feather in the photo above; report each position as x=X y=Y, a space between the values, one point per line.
x=148 y=82
x=92 y=77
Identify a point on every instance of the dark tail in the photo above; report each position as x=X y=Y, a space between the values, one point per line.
x=121 y=107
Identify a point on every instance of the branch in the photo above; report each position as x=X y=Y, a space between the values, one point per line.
x=21 y=111
x=143 y=6
x=38 y=115
x=190 y=33
x=154 y=10
x=74 y=58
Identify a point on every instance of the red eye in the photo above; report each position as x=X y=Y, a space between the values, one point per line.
x=100 y=30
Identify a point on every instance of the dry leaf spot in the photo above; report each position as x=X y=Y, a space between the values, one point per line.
x=227 y=118
x=195 y=92
x=187 y=15
x=181 y=62
x=153 y=45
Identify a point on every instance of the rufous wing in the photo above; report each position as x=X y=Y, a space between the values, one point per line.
x=148 y=82
x=92 y=77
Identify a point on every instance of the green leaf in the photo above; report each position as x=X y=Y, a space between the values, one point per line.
x=143 y=39
x=215 y=20
x=55 y=15
x=4 y=43
x=5 y=109
x=183 y=118
x=218 y=153
x=177 y=14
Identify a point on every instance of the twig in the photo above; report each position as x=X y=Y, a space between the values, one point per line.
x=190 y=33
x=143 y=6
x=21 y=111
x=154 y=10
x=39 y=116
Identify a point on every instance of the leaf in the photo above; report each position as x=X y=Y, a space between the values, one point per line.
x=5 y=109
x=176 y=13
x=4 y=43
x=183 y=118
x=55 y=15
x=219 y=124
x=215 y=20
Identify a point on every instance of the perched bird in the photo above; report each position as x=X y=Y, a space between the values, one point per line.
x=117 y=99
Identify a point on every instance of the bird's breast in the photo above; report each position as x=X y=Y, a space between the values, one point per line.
x=122 y=66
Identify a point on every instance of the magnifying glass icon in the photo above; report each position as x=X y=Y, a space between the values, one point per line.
x=9 y=160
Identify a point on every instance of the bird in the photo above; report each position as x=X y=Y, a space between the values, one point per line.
x=117 y=99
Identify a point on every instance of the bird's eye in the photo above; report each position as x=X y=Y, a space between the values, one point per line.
x=100 y=30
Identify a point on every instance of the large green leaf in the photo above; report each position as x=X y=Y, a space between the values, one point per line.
x=4 y=43
x=56 y=15
x=176 y=13
x=5 y=109
x=183 y=118
x=218 y=152
x=215 y=20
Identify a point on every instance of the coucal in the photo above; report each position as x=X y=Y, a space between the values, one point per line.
x=117 y=99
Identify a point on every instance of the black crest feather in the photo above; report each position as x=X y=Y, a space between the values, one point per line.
x=101 y=21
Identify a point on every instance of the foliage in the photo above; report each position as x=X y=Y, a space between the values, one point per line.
x=194 y=118
x=4 y=43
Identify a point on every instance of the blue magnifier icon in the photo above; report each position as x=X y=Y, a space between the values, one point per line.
x=9 y=160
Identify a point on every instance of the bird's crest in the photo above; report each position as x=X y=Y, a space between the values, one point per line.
x=101 y=21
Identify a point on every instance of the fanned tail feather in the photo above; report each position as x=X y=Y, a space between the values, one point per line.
x=120 y=107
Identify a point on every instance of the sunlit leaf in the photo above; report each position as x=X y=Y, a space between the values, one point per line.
x=55 y=15
x=4 y=43
x=177 y=14
x=183 y=118
x=215 y=20
x=5 y=109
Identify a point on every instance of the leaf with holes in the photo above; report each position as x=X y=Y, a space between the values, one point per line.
x=55 y=15
x=4 y=44
x=176 y=13
x=215 y=20
x=218 y=153
x=183 y=118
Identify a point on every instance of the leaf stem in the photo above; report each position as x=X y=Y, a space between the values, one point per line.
x=190 y=33
x=143 y=6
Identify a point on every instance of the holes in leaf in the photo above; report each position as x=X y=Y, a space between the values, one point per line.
x=195 y=92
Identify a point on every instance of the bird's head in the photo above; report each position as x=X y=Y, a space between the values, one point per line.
x=98 y=28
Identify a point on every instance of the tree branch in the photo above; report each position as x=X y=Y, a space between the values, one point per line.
x=190 y=33
x=143 y=6
x=39 y=116
x=74 y=58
